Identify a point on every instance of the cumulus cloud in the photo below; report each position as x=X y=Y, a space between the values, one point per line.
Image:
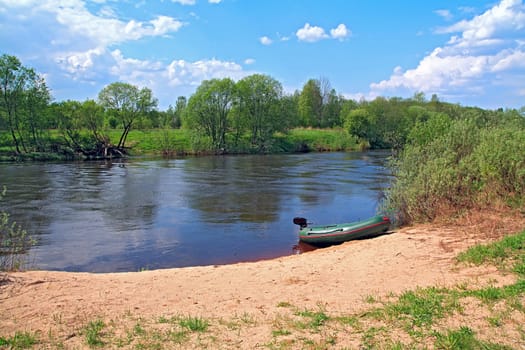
x=100 y=30
x=340 y=32
x=483 y=51
x=311 y=34
x=181 y=72
x=265 y=40
x=249 y=61
x=214 y=1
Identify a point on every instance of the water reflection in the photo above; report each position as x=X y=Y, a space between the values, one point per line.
x=125 y=216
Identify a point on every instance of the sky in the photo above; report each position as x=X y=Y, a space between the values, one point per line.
x=470 y=52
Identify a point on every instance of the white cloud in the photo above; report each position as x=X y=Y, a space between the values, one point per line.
x=446 y=14
x=310 y=33
x=214 y=1
x=78 y=62
x=483 y=55
x=181 y=72
x=249 y=61
x=507 y=15
x=265 y=40
x=99 y=30
x=340 y=32
x=184 y=2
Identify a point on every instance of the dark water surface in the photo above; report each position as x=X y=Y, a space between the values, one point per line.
x=148 y=214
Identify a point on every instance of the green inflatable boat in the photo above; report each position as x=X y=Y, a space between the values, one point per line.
x=334 y=234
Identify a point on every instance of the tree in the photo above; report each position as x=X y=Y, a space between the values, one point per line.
x=35 y=102
x=258 y=101
x=180 y=107
x=23 y=93
x=358 y=123
x=311 y=103
x=208 y=109
x=332 y=110
x=126 y=103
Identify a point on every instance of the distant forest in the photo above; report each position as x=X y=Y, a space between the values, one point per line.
x=222 y=116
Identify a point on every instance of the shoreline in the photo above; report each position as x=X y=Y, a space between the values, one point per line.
x=337 y=279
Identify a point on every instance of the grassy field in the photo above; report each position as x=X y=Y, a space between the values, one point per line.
x=173 y=142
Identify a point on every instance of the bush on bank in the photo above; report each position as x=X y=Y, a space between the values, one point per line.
x=461 y=165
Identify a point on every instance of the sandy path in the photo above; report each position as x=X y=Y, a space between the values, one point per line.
x=337 y=277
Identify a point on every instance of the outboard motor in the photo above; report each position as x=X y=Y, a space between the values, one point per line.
x=300 y=221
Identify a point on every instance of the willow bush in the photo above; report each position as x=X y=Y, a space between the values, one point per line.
x=458 y=166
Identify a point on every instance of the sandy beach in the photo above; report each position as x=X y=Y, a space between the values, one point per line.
x=337 y=278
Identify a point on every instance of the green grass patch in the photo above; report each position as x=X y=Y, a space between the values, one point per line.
x=463 y=338
x=93 y=333
x=21 y=340
x=420 y=308
x=194 y=324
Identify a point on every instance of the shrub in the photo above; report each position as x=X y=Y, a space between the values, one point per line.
x=463 y=166
x=14 y=242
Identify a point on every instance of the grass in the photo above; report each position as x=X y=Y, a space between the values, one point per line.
x=172 y=142
x=463 y=338
x=20 y=340
x=423 y=318
x=93 y=333
x=194 y=324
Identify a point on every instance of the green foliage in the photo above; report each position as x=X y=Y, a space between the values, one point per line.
x=15 y=242
x=452 y=165
x=208 y=109
x=126 y=103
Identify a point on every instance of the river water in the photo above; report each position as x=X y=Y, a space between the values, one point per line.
x=135 y=214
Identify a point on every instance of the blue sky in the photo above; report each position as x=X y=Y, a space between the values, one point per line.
x=470 y=52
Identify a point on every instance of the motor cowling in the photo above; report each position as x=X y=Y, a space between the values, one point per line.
x=302 y=222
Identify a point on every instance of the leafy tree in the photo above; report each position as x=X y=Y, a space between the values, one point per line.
x=180 y=107
x=358 y=123
x=126 y=103
x=258 y=101
x=311 y=104
x=23 y=92
x=332 y=110
x=208 y=109
x=70 y=123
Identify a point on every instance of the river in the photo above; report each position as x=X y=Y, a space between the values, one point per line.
x=135 y=214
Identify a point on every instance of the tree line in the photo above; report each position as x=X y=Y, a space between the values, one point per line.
x=223 y=116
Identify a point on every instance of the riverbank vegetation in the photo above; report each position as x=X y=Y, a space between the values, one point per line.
x=449 y=166
x=252 y=115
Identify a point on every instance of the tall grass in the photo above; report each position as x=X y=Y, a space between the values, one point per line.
x=460 y=166
x=14 y=242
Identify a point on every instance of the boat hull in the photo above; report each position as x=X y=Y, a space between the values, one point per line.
x=334 y=234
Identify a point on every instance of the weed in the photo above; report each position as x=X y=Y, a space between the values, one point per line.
x=93 y=333
x=284 y=304
x=194 y=324
x=280 y=332
x=463 y=338
x=317 y=319
x=420 y=307
x=21 y=340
